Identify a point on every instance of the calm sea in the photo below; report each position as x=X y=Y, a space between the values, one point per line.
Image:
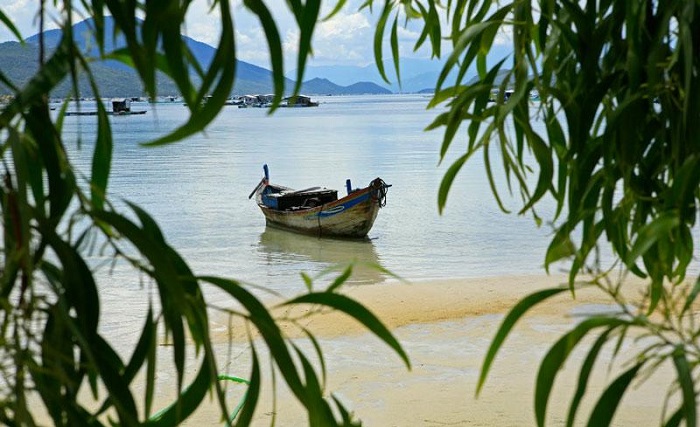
x=198 y=189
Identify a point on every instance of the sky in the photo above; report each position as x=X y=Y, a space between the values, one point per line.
x=346 y=39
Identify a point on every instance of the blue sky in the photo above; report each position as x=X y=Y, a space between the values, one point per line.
x=347 y=39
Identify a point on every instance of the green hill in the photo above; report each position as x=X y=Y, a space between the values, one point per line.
x=20 y=62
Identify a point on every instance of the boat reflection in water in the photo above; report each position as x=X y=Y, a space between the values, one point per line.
x=313 y=255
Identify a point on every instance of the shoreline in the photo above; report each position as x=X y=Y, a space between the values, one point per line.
x=446 y=326
x=399 y=304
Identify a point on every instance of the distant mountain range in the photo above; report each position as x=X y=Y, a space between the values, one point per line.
x=417 y=75
x=20 y=62
x=115 y=79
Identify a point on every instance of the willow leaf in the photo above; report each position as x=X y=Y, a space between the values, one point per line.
x=650 y=234
x=11 y=26
x=319 y=412
x=340 y=279
x=143 y=346
x=319 y=355
x=273 y=41
x=223 y=67
x=187 y=401
x=692 y=296
x=584 y=374
x=687 y=386
x=379 y=39
x=269 y=330
x=307 y=25
x=560 y=247
x=557 y=356
x=606 y=406
x=110 y=368
x=357 y=311
x=101 y=159
x=508 y=324
x=447 y=180
x=253 y=393
x=395 y=48
x=337 y=8
x=675 y=419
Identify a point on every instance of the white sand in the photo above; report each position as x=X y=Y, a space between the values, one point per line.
x=446 y=327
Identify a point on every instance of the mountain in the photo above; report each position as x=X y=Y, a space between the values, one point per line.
x=20 y=63
x=417 y=75
x=318 y=86
x=115 y=79
x=118 y=80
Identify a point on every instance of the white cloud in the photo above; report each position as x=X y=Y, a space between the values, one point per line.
x=504 y=36
x=23 y=14
x=345 y=39
x=203 y=23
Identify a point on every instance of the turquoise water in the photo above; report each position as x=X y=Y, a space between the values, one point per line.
x=198 y=189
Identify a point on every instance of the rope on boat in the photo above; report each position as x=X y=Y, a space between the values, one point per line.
x=381 y=188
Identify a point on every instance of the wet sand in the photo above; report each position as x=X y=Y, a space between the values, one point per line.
x=445 y=327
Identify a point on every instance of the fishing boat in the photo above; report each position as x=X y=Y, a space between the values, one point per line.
x=318 y=211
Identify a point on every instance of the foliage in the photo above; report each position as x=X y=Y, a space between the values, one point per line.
x=618 y=151
x=51 y=345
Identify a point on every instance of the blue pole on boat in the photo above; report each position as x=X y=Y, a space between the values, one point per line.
x=267 y=172
x=348 y=185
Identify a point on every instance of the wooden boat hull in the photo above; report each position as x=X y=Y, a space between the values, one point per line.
x=350 y=217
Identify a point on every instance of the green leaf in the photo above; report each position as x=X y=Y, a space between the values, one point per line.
x=471 y=33
x=143 y=347
x=606 y=406
x=692 y=296
x=274 y=44
x=584 y=375
x=344 y=414
x=307 y=24
x=379 y=39
x=242 y=400
x=447 y=180
x=222 y=70
x=110 y=369
x=395 y=48
x=560 y=247
x=187 y=401
x=268 y=329
x=507 y=325
x=337 y=8
x=308 y=281
x=101 y=159
x=649 y=235
x=11 y=26
x=253 y=393
x=557 y=356
x=340 y=279
x=675 y=419
x=319 y=410
x=357 y=311
x=687 y=386
x=319 y=354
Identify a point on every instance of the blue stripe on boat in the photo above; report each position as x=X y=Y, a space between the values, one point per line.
x=347 y=205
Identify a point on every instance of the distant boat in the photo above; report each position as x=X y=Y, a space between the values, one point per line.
x=120 y=107
x=299 y=101
x=318 y=211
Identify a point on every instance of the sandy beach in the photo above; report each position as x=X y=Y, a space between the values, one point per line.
x=445 y=327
